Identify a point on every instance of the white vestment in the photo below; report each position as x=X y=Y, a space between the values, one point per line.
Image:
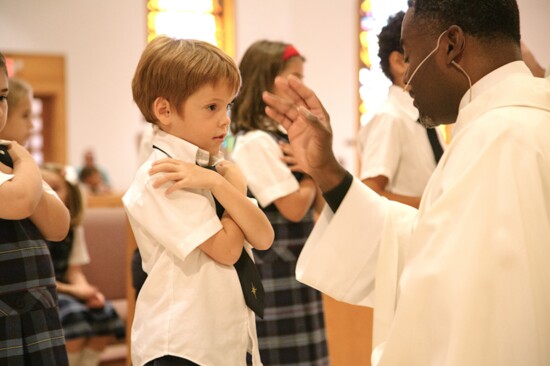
x=465 y=280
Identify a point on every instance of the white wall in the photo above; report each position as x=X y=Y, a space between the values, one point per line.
x=535 y=28
x=102 y=42
x=325 y=32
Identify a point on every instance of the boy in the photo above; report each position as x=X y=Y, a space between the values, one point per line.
x=398 y=154
x=191 y=308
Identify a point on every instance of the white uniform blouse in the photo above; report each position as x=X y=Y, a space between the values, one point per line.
x=259 y=157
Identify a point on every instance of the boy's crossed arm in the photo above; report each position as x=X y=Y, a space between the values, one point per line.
x=242 y=218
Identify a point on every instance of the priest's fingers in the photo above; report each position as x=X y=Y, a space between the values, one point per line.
x=282 y=88
x=306 y=97
x=283 y=111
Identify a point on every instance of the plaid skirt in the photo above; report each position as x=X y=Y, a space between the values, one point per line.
x=79 y=321
x=293 y=329
x=30 y=330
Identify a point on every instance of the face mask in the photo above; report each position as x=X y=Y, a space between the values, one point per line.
x=426 y=121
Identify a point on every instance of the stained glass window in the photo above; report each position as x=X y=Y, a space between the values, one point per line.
x=372 y=81
x=207 y=20
x=373 y=84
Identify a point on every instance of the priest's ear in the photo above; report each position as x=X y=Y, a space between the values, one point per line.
x=163 y=110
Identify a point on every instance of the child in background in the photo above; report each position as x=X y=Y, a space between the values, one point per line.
x=30 y=330
x=89 y=321
x=398 y=154
x=293 y=330
x=192 y=308
x=19 y=123
x=92 y=180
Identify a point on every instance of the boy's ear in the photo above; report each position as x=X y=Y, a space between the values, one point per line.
x=397 y=64
x=162 y=110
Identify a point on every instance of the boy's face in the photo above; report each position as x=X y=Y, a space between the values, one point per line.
x=204 y=121
x=3 y=99
x=19 y=125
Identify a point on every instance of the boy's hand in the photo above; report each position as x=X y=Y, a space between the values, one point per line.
x=181 y=175
x=232 y=174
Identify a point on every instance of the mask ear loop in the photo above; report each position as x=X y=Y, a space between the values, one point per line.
x=407 y=87
x=467 y=77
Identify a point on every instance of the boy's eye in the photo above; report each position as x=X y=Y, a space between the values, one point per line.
x=3 y=98
x=229 y=106
x=212 y=107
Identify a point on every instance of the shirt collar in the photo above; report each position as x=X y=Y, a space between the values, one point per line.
x=183 y=150
x=469 y=109
x=491 y=79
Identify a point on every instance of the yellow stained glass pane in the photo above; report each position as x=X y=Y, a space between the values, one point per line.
x=184 y=25
x=197 y=6
x=366 y=6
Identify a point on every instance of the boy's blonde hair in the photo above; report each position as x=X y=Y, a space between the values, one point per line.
x=18 y=89
x=176 y=68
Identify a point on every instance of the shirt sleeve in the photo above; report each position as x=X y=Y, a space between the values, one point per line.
x=179 y=222
x=5 y=177
x=380 y=147
x=259 y=157
x=79 y=254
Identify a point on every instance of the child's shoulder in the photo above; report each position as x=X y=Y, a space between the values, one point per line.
x=256 y=137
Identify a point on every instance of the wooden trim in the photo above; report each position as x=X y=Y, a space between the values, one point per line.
x=104 y=200
x=349 y=333
x=228 y=14
x=131 y=245
x=46 y=75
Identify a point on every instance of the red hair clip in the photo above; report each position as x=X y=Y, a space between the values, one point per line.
x=289 y=52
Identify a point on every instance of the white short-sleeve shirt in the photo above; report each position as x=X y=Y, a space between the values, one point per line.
x=79 y=253
x=190 y=305
x=258 y=156
x=5 y=177
x=394 y=145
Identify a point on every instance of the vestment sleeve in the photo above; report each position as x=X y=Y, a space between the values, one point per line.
x=342 y=254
